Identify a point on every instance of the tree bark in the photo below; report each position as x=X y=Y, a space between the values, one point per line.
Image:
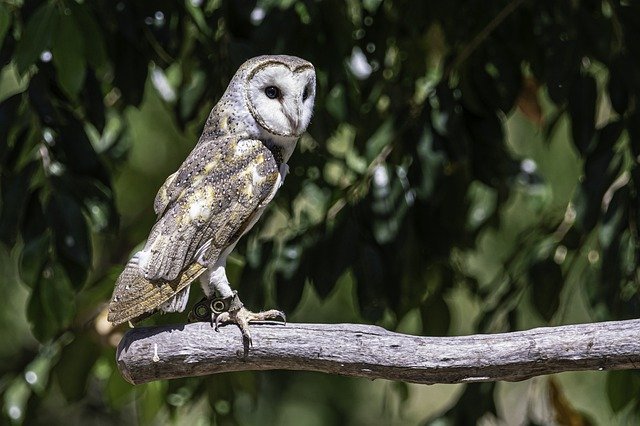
x=165 y=352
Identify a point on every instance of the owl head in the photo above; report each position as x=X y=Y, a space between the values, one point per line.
x=269 y=96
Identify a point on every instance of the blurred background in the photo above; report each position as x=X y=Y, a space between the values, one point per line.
x=472 y=167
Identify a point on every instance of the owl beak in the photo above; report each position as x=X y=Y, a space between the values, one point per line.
x=292 y=112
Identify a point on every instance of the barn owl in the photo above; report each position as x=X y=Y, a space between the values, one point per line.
x=218 y=194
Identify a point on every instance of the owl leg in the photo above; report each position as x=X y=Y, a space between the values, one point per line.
x=227 y=307
x=215 y=282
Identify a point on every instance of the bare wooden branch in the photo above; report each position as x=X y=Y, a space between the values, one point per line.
x=154 y=353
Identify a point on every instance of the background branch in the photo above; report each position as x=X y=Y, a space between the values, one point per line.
x=153 y=353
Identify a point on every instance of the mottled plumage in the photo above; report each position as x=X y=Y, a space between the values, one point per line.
x=221 y=189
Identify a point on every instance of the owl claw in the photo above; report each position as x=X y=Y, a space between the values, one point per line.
x=242 y=317
x=218 y=319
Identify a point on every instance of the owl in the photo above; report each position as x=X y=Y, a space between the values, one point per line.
x=218 y=194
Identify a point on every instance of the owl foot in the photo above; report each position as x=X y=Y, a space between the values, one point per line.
x=231 y=310
x=242 y=317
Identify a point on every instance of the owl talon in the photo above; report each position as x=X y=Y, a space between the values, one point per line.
x=230 y=310
x=243 y=317
x=218 y=319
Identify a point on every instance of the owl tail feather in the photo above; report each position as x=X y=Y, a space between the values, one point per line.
x=136 y=297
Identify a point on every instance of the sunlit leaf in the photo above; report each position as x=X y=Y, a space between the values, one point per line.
x=528 y=102
x=615 y=218
x=152 y=401
x=379 y=140
x=118 y=392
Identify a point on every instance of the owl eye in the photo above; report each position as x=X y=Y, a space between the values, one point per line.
x=272 y=92
x=305 y=94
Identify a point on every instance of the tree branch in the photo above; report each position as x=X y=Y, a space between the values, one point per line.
x=166 y=352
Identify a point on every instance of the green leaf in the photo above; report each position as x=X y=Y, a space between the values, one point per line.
x=191 y=95
x=5 y=21
x=71 y=236
x=36 y=240
x=336 y=103
x=36 y=36
x=615 y=218
x=118 y=391
x=33 y=258
x=52 y=303
x=622 y=388
x=431 y=163
x=69 y=55
x=435 y=315
x=94 y=49
x=546 y=279
x=8 y=111
x=155 y=394
x=14 y=193
x=381 y=138
x=74 y=149
x=73 y=370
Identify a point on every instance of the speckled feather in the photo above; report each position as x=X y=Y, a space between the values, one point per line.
x=216 y=195
x=212 y=197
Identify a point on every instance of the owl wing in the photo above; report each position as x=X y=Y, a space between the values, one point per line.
x=206 y=206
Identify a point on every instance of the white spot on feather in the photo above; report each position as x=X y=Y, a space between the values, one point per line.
x=256 y=178
x=241 y=148
x=199 y=210
x=142 y=258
